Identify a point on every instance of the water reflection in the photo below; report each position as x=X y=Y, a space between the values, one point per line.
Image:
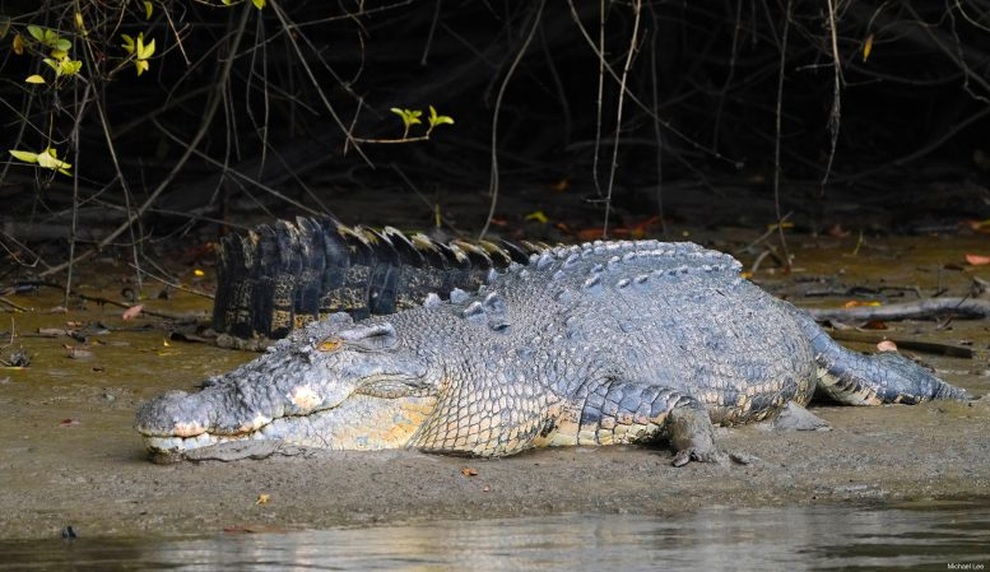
x=944 y=536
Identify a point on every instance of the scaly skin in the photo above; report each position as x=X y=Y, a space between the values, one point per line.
x=615 y=342
x=279 y=277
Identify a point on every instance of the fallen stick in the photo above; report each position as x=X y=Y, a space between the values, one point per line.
x=932 y=307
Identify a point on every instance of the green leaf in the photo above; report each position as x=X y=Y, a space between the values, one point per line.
x=409 y=116
x=69 y=67
x=439 y=119
x=148 y=7
x=259 y=4
x=36 y=33
x=62 y=44
x=128 y=44
x=26 y=156
x=142 y=50
x=49 y=160
x=34 y=79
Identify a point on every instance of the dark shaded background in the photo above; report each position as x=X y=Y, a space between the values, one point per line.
x=696 y=139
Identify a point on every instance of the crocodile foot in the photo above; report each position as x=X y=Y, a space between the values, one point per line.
x=692 y=435
x=793 y=417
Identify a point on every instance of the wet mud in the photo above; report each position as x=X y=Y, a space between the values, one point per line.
x=68 y=455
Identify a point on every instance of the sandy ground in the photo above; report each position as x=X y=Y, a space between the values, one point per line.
x=101 y=484
x=68 y=456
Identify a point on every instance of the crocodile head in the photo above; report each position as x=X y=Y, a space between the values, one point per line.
x=333 y=384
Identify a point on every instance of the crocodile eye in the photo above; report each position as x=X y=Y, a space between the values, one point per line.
x=329 y=345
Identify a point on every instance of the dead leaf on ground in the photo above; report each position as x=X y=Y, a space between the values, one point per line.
x=977 y=259
x=263 y=498
x=68 y=423
x=886 y=346
x=637 y=231
x=469 y=471
x=861 y=303
x=132 y=312
x=538 y=216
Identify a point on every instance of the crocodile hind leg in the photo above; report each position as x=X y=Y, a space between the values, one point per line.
x=628 y=412
x=692 y=435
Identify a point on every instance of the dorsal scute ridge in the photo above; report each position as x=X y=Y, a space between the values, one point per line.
x=667 y=257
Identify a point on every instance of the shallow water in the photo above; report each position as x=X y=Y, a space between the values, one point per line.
x=935 y=536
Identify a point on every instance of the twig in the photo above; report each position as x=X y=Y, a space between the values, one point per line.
x=204 y=127
x=174 y=285
x=186 y=317
x=493 y=178
x=835 y=115
x=932 y=307
x=17 y=307
x=637 y=6
x=291 y=32
x=778 y=127
x=915 y=345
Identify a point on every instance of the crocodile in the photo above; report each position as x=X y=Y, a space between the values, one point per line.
x=278 y=277
x=595 y=344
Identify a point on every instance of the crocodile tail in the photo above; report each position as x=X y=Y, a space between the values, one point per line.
x=280 y=276
x=233 y=303
x=856 y=379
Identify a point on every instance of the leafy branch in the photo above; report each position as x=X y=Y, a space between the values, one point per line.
x=411 y=117
x=47 y=159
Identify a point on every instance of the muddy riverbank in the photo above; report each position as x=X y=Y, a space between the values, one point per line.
x=68 y=456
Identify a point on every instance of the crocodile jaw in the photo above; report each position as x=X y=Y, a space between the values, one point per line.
x=360 y=423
